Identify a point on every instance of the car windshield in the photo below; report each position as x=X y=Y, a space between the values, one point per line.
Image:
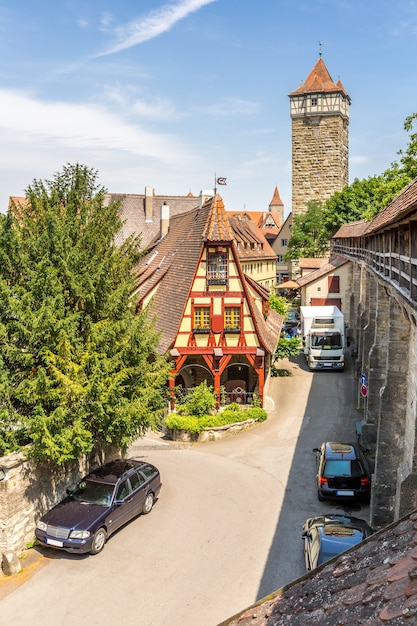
x=91 y=492
x=343 y=468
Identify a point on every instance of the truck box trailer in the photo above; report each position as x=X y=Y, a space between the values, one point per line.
x=323 y=332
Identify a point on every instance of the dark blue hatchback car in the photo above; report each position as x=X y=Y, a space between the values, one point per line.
x=101 y=503
x=343 y=472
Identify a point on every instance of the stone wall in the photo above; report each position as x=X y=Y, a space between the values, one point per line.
x=386 y=336
x=28 y=490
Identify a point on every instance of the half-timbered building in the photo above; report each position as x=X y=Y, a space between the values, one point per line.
x=215 y=322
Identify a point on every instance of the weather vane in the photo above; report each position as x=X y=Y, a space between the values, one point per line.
x=321 y=43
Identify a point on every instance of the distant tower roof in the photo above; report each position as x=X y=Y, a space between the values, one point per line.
x=319 y=81
x=276 y=200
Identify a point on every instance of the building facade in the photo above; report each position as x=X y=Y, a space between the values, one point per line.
x=214 y=320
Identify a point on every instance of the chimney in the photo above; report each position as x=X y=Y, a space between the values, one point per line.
x=205 y=194
x=149 y=192
x=164 y=221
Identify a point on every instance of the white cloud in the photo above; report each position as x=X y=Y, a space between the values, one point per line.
x=359 y=159
x=82 y=126
x=229 y=107
x=156 y=23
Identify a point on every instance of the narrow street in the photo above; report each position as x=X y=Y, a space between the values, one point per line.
x=225 y=532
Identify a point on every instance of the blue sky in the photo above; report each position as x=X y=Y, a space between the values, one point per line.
x=171 y=94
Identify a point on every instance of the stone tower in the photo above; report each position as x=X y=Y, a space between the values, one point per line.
x=319 y=110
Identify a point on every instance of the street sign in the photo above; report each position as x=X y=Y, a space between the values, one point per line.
x=363 y=379
x=364 y=391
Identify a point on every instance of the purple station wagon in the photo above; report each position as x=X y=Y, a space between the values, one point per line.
x=101 y=503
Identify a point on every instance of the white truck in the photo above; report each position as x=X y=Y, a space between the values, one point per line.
x=323 y=333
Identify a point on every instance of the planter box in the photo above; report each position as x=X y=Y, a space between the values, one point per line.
x=211 y=434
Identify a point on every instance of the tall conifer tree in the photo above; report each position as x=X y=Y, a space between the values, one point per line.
x=79 y=365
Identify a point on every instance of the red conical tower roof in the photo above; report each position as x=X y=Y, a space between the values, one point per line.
x=276 y=200
x=319 y=81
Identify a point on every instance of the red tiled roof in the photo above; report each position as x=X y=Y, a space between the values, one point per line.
x=333 y=263
x=246 y=232
x=319 y=81
x=269 y=329
x=217 y=227
x=259 y=218
x=352 y=229
x=372 y=584
x=312 y=263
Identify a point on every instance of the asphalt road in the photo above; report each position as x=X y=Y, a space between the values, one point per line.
x=225 y=532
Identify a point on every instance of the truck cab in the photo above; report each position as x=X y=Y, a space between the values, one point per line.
x=323 y=334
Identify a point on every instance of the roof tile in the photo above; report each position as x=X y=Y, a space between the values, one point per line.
x=372 y=584
x=319 y=81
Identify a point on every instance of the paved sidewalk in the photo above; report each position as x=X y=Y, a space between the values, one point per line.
x=32 y=560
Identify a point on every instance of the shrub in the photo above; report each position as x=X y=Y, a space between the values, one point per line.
x=199 y=401
x=288 y=347
x=256 y=413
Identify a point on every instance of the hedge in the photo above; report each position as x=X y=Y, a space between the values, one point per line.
x=231 y=415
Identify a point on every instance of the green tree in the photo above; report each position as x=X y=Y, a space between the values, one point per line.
x=279 y=304
x=409 y=156
x=79 y=366
x=309 y=235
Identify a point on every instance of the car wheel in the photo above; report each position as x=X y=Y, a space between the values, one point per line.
x=98 y=541
x=148 y=504
x=319 y=496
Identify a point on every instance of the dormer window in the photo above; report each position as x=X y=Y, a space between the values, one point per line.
x=217 y=267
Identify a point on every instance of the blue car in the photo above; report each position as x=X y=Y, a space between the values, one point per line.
x=101 y=503
x=326 y=536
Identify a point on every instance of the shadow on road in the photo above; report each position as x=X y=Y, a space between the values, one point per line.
x=329 y=415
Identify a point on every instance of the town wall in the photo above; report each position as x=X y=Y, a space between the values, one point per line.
x=385 y=328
